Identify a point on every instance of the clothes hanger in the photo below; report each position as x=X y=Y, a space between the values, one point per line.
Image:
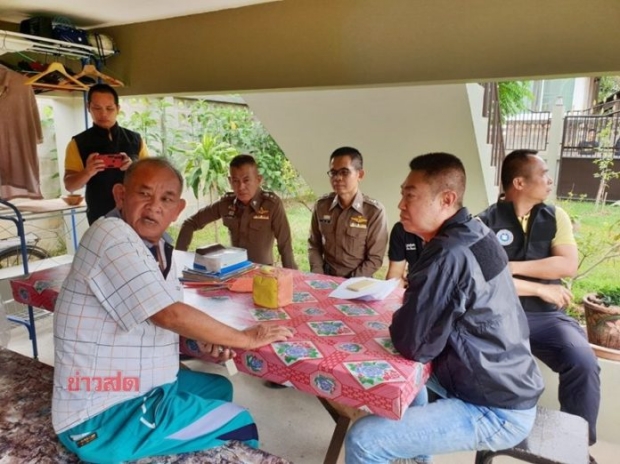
x=68 y=83
x=90 y=70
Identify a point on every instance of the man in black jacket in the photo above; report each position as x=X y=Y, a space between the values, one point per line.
x=540 y=245
x=461 y=312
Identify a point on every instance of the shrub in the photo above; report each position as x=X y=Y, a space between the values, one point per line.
x=609 y=296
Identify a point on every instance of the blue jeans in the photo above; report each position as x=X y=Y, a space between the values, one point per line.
x=445 y=426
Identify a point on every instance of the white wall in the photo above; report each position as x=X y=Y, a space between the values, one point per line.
x=69 y=118
x=389 y=125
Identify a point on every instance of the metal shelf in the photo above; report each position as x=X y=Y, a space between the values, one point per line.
x=11 y=42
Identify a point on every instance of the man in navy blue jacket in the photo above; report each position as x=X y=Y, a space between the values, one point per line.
x=461 y=312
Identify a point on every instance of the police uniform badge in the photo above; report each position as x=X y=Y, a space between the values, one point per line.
x=231 y=210
x=262 y=214
x=359 y=222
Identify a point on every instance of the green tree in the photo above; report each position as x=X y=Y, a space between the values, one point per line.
x=604 y=163
x=607 y=86
x=596 y=246
x=238 y=126
x=144 y=121
x=205 y=168
x=514 y=97
x=177 y=126
x=153 y=121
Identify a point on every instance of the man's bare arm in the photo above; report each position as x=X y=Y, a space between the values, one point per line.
x=396 y=270
x=554 y=294
x=192 y=323
x=562 y=263
x=75 y=180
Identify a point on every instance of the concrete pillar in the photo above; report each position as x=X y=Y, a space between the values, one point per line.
x=69 y=119
x=554 y=147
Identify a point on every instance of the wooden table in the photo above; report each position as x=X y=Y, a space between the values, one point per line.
x=340 y=352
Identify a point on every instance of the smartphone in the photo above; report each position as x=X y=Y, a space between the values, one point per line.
x=112 y=161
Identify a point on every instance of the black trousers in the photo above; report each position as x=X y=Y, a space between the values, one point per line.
x=558 y=341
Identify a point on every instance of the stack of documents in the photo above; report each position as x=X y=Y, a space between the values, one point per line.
x=364 y=288
x=197 y=275
x=218 y=258
x=217 y=263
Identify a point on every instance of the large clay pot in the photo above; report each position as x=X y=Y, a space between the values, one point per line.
x=602 y=322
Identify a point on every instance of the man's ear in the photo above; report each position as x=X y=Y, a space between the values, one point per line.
x=360 y=174
x=518 y=182
x=448 y=198
x=180 y=208
x=118 y=191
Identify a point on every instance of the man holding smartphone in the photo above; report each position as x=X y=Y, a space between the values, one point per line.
x=98 y=157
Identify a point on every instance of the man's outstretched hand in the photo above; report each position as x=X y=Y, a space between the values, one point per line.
x=263 y=334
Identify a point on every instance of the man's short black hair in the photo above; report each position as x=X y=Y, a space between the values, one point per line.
x=242 y=160
x=515 y=165
x=443 y=171
x=102 y=88
x=356 y=157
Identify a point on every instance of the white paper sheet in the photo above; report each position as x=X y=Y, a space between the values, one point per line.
x=379 y=289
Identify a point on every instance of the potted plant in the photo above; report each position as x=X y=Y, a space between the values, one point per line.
x=602 y=311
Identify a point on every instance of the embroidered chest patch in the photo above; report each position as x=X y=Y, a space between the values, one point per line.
x=505 y=237
x=359 y=222
x=326 y=219
x=262 y=214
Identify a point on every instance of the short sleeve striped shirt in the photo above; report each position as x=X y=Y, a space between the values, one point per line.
x=106 y=349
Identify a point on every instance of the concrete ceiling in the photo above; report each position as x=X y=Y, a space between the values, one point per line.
x=302 y=44
x=88 y=14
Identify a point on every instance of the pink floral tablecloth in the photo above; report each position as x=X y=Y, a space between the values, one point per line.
x=40 y=288
x=341 y=349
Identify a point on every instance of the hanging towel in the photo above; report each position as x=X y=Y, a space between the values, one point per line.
x=20 y=132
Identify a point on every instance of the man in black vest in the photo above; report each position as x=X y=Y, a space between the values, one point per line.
x=539 y=241
x=85 y=161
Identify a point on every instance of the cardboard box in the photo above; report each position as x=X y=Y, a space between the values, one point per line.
x=272 y=287
x=218 y=257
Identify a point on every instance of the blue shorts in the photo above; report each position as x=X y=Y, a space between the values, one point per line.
x=192 y=414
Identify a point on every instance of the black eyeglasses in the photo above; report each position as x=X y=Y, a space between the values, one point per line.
x=344 y=172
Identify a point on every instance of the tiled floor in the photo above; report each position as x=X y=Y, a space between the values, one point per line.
x=292 y=424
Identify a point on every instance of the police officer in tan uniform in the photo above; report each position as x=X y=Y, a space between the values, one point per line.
x=253 y=217
x=348 y=230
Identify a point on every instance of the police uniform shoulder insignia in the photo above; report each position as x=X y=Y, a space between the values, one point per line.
x=372 y=201
x=327 y=196
x=270 y=195
x=229 y=195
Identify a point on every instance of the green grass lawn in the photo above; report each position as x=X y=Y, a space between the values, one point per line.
x=596 y=231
